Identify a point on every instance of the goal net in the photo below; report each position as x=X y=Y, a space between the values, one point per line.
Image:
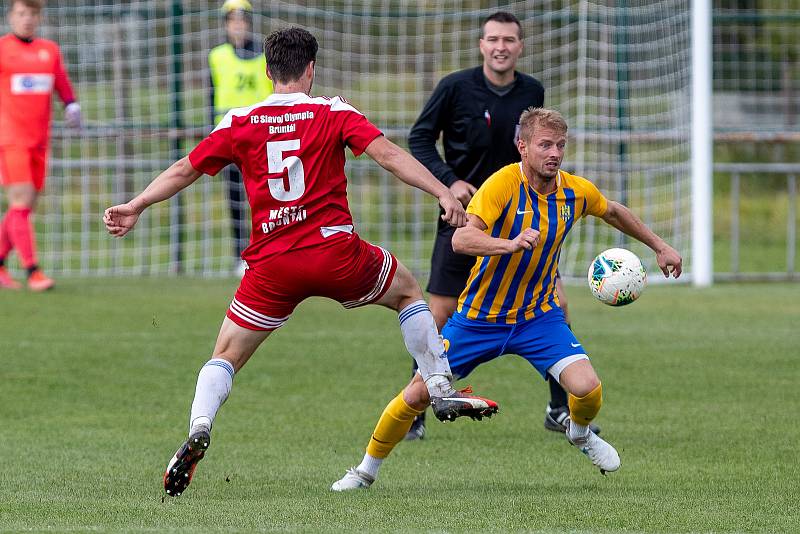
x=618 y=71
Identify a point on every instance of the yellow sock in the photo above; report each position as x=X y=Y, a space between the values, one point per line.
x=392 y=427
x=583 y=409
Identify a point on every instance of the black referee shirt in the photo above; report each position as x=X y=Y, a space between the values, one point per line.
x=477 y=124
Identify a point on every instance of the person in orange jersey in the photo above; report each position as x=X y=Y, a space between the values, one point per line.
x=30 y=69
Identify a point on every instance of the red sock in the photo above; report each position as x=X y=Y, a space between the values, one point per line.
x=20 y=230
x=5 y=240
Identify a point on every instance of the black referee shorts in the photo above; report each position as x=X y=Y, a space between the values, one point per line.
x=449 y=271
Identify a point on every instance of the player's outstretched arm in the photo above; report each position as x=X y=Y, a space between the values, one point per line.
x=403 y=165
x=623 y=219
x=119 y=220
x=473 y=240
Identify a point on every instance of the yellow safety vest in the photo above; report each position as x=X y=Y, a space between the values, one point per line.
x=237 y=82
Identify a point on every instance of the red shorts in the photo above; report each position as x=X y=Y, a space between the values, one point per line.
x=348 y=270
x=19 y=165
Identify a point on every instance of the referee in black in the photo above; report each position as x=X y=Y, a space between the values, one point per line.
x=477 y=113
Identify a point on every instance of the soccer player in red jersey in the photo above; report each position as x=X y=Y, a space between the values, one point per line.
x=30 y=68
x=290 y=149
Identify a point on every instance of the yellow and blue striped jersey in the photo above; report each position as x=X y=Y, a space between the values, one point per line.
x=516 y=287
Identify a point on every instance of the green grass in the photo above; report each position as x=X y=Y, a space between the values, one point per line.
x=763 y=234
x=97 y=377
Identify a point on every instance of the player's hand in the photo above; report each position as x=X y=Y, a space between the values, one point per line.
x=669 y=261
x=463 y=191
x=72 y=115
x=454 y=213
x=526 y=240
x=119 y=220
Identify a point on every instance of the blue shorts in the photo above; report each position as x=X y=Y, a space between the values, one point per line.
x=543 y=341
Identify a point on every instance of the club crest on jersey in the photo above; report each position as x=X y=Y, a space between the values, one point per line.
x=44 y=55
x=566 y=213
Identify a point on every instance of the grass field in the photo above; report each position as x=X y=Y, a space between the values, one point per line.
x=97 y=377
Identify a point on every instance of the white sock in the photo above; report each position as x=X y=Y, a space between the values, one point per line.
x=577 y=431
x=370 y=465
x=213 y=386
x=440 y=386
x=425 y=345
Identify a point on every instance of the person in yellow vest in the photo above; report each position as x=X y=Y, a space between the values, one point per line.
x=237 y=80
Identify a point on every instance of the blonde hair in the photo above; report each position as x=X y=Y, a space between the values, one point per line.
x=533 y=117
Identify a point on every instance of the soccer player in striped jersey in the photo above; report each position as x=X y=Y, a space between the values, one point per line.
x=517 y=222
x=30 y=69
x=476 y=111
x=291 y=151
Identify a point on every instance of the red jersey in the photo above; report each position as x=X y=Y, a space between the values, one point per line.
x=29 y=71
x=290 y=149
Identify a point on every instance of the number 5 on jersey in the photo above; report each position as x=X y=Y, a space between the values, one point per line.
x=292 y=164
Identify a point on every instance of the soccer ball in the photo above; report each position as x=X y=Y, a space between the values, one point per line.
x=617 y=277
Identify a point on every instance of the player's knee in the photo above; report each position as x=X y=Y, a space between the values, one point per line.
x=405 y=285
x=21 y=195
x=578 y=377
x=584 y=385
x=583 y=409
